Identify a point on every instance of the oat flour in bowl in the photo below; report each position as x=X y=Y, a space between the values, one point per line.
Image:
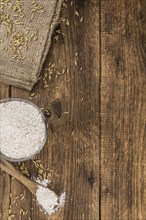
x=22 y=129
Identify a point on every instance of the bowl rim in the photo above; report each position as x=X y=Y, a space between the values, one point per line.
x=44 y=121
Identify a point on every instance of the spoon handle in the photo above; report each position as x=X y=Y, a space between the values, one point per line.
x=10 y=169
x=6 y=163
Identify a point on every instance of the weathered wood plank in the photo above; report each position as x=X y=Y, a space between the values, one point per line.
x=5 y=186
x=18 y=203
x=123 y=109
x=73 y=141
x=81 y=160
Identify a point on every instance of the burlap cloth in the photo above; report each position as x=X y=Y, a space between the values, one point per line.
x=26 y=27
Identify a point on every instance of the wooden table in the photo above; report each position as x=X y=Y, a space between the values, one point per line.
x=96 y=150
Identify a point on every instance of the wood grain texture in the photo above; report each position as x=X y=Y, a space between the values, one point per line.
x=72 y=148
x=96 y=150
x=5 y=179
x=123 y=109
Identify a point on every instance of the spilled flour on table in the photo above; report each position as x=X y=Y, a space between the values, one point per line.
x=48 y=200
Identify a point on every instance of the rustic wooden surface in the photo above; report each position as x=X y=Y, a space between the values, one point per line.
x=96 y=150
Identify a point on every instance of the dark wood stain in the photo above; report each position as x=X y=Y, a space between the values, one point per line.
x=56 y=107
x=97 y=124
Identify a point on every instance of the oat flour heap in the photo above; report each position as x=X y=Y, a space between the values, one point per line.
x=22 y=129
x=48 y=200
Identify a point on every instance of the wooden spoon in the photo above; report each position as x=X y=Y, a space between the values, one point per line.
x=32 y=186
x=10 y=169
